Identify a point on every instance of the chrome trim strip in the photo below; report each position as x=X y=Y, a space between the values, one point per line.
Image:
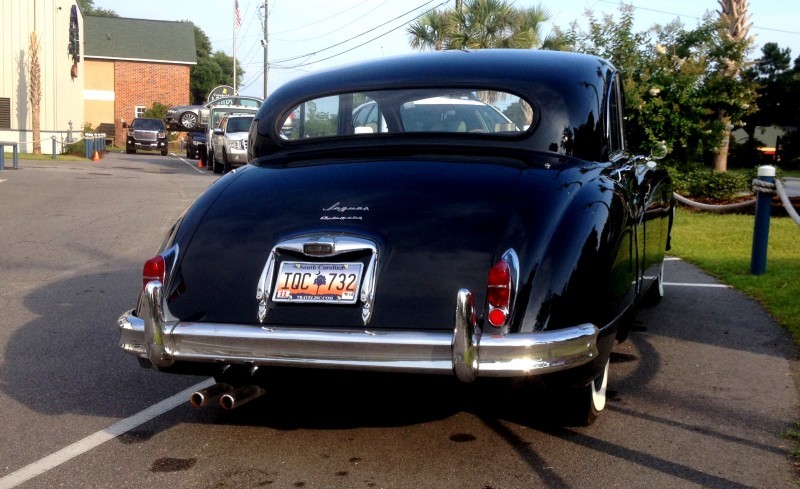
x=339 y=244
x=435 y=352
x=510 y=257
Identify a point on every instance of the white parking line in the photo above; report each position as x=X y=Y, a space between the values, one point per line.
x=188 y=163
x=96 y=439
x=683 y=284
x=686 y=284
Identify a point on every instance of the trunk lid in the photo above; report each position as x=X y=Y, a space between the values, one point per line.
x=436 y=226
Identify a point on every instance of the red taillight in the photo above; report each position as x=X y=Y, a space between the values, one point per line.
x=497 y=317
x=154 y=269
x=498 y=293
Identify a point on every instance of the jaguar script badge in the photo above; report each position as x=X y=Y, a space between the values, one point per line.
x=339 y=212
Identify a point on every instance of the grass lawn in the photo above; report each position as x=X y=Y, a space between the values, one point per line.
x=722 y=246
x=30 y=156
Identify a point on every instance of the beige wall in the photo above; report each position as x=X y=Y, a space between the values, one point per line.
x=62 y=95
x=99 y=92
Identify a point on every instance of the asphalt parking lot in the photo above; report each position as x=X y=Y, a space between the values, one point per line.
x=700 y=394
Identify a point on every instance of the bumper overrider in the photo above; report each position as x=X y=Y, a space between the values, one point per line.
x=156 y=336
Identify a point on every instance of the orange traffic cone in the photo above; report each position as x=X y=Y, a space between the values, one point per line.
x=199 y=162
x=96 y=156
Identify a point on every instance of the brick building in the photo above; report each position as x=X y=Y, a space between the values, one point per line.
x=132 y=63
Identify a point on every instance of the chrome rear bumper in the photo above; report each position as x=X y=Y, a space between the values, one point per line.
x=463 y=351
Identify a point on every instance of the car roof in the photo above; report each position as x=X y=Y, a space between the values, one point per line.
x=569 y=91
x=512 y=69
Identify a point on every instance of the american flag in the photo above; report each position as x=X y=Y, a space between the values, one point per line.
x=237 y=14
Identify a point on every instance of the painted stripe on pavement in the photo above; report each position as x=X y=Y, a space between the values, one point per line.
x=96 y=439
x=683 y=284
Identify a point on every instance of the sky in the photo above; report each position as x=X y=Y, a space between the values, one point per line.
x=308 y=35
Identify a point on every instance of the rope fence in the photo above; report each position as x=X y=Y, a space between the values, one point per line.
x=759 y=186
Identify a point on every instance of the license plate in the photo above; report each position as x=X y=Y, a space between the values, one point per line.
x=320 y=283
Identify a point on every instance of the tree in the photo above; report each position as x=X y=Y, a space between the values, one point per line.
x=211 y=70
x=431 y=31
x=778 y=89
x=676 y=81
x=156 y=111
x=735 y=24
x=778 y=82
x=88 y=8
x=479 y=24
x=35 y=90
x=225 y=62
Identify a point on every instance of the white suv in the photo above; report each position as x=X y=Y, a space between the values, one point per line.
x=229 y=142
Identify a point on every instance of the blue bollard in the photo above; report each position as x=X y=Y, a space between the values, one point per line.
x=758 y=259
x=54 y=147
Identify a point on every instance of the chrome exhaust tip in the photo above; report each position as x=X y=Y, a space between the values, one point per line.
x=205 y=396
x=242 y=395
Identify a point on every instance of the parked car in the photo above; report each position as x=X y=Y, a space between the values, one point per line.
x=195 y=144
x=229 y=142
x=518 y=253
x=190 y=117
x=144 y=133
x=438 y=114
x=183 y=117
x=213 y=119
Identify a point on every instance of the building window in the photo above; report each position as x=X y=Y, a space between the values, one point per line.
x=139 y=110
x=5 y=113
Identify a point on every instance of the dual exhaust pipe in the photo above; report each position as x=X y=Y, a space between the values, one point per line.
x=229 y=396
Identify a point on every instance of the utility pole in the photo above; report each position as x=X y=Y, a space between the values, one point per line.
x=265 y=42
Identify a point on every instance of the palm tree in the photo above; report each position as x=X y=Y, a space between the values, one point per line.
x=479 y=24
x=431 y=31
x=530 y=25
x=734 y=16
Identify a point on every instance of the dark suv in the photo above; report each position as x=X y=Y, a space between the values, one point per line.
x=146 y=134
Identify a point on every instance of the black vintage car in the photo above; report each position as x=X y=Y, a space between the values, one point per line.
x=469 y=214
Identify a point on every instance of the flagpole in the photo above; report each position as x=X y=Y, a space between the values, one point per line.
x=236 y=6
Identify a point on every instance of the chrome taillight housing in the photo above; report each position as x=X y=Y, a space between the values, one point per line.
x=154 y=269
x=501 y=289
x=160 y=266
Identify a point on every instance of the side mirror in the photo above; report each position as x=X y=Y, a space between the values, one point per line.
x=659 y=151
x=218 y=132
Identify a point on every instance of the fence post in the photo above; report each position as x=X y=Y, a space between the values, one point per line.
x=54 y=147
x=758 y=259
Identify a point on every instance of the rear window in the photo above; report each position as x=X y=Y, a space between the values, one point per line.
x=239 y=124
x=442 y=111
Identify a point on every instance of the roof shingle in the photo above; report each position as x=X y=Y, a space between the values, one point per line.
x=139 y=39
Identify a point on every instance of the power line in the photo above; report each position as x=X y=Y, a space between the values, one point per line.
x=344 y=26
x=675 y=14
x=307 y=55
x=322 y=20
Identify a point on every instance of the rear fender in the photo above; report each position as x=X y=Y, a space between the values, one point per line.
x=587 y=273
